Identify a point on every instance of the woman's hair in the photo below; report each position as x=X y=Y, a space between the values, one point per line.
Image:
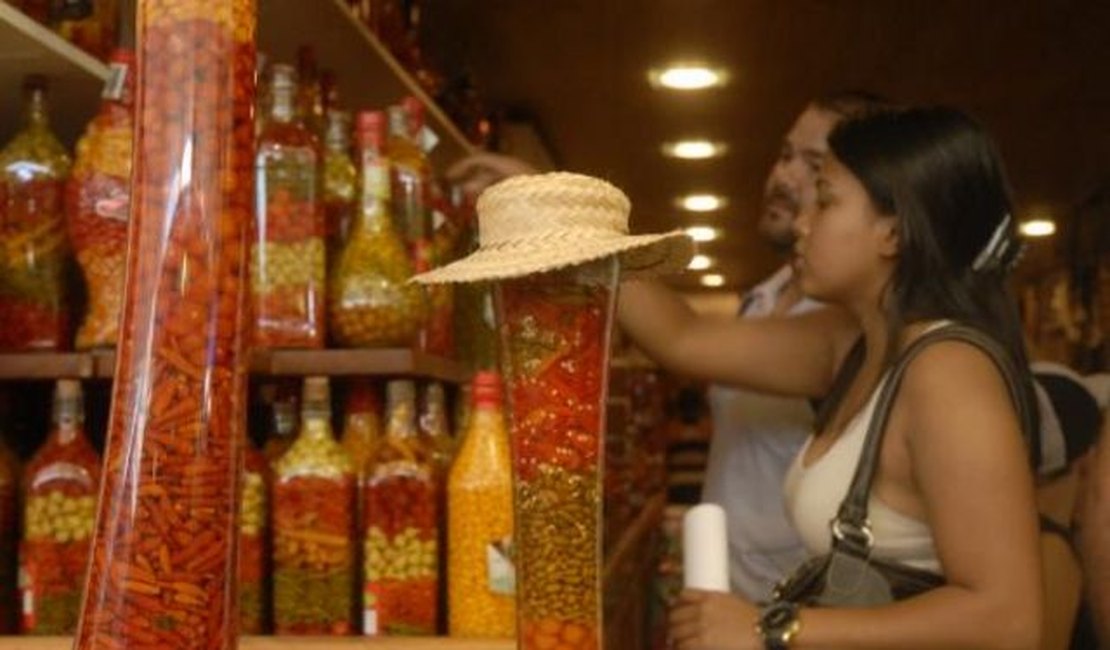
x=939 y=174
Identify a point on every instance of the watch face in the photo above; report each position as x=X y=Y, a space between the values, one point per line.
x=779 y=616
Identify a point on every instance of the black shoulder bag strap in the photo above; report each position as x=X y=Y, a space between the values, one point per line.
x=851 y=528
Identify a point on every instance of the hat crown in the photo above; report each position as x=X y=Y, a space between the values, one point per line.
x=524 y=207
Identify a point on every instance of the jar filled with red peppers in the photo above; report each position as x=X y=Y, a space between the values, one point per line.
x=98 y=204
x=165 y=539
x=555 y=330
x=33 y=248
x=370 y=300
x=60 y=487
x=288 y=259
x=254 y=515
x=314 y=526
x=400 y=553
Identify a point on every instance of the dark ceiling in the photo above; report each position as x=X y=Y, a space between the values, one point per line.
x=1037 y=74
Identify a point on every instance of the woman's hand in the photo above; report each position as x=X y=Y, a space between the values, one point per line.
x=703 y=620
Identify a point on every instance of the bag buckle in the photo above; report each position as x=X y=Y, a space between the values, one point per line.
x=849 y=533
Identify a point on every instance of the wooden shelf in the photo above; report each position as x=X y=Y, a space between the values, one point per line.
x=76 y=78
x=650 y=517
x=368 y=74
x=392 y=362
x=286 y=643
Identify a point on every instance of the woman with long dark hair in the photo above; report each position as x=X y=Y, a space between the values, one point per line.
x=913 y=231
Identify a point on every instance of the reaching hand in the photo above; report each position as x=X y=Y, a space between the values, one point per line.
x=711 y=621
x=478 y=171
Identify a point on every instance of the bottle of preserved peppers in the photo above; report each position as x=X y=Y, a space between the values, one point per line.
x=340 y=182
x=435 y=427
x=60 y=486
x=33 y=250
x=314 y=526
x=401 y=569
x=98 y=204
x=480 y=576
x=362 y=426
x=288 y=260
x=283 y=429
x=555 y=331
x=163 y=561
x=371 y=302
x=254 y=531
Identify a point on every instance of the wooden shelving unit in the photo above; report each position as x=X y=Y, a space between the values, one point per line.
x=76 y=78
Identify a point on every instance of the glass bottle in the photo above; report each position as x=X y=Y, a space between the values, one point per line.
x=33 y=311
x=288 y=261
x=253 y=535
x=283 y=429
x=401 y=569
x=436 y=428
x=340 y=181
x=314 y=526
x=480 y=576
x=370 y=301
x=162 y=568
x=362 y=426
x=98 y=204
x=60 y=486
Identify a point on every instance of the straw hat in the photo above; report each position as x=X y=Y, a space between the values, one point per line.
x=543 y=222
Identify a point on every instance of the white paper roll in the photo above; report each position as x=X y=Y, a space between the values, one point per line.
x=705 y=548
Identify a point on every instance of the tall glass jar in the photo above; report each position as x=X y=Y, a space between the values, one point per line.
x=288 y=260
x=400 y=552
x=481 y=580
x=371 y=302
x=340 y=181
x=60 y=486
x=33 y=255
x=555 y=331
x=98 y=203
x=314 y=526
x=164 y=561
x=254 y=532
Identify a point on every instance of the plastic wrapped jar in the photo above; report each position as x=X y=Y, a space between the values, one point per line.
x=60 y=486
x=33 y=247
x=555 y=331
x=288 y=259
x=371 y=302
x=314 y=526
x=164 y=545
x=400 y=552
x=98 y=205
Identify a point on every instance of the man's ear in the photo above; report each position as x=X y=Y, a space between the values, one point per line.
x=888 y=238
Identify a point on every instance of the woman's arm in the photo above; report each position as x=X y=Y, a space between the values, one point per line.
x=797 y=355
x=970 y=467
x=1094 y=534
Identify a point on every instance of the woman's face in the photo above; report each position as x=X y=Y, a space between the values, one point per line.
x=846 y=249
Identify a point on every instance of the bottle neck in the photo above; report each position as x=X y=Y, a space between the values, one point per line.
x=283 y=108
x=402 y=420
x=315 y=422
x=69 y=421
x=36 y=110
x=375 y=192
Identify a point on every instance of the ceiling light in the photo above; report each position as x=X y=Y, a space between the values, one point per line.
x=702 y=202
x=702 y=233
x=688 y=77
x=700 y=263
x=1038 y=228
x=694 y=149
x=713 y=280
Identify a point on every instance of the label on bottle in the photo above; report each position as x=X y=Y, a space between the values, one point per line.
x=116 y=84
x=500 y=570
x=370 y=626
x=115 y=206
x=27 y=595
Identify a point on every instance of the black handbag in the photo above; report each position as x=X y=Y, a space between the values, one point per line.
x=848 y=576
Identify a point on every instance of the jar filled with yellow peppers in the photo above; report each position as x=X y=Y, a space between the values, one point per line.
x=98 y=204
x=480 y=576
x=33 y=251
x=59 y=510
x=314 y=526
x=370 y=301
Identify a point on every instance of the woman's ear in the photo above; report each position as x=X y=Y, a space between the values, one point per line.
x=886 y=229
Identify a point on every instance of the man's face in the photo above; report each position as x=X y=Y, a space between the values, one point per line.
x=792 y=185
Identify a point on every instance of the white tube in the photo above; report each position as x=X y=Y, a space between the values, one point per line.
x=705 y=548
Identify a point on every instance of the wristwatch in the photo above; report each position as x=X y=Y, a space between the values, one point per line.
x=778 y=625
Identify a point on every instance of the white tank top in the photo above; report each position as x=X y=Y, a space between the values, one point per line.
x=814 y=494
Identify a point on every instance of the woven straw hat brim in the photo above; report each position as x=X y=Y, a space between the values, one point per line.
x=640 y=256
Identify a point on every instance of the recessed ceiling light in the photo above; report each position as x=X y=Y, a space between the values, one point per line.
x=702 y=233
x=713 y=280
x=1038 y=228
x=702 y=202
x=700 y=263
x=694 y=149
x=688 y=77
